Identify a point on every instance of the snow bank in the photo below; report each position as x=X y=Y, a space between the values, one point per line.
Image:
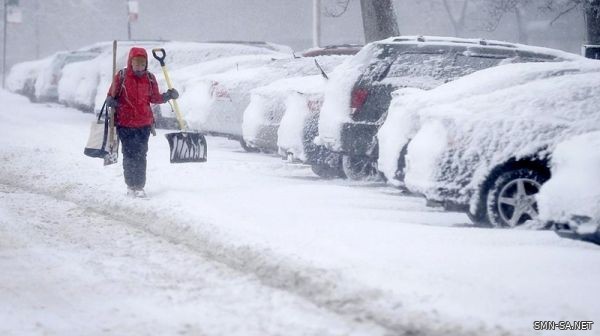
x=574 y=189
x=404 y=115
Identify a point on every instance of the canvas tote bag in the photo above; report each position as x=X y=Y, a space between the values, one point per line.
x=97 y=143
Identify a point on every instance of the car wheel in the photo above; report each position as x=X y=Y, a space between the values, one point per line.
x=511 y=198
x=326 y=171
x=360 y=168
x=247 y=148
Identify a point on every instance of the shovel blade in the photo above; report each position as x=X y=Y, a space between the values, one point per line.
x=187 y=147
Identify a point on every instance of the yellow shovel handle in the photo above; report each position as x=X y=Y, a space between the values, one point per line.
x=161 y=59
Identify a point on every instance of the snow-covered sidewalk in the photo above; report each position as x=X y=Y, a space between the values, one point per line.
x=360 y=250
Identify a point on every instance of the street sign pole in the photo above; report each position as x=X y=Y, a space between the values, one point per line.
x=4 y=45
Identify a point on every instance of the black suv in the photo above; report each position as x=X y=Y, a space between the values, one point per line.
x=387 y=65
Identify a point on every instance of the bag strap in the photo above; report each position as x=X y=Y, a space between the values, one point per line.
x=151 y=79
x=121 y=82
x=102 y=111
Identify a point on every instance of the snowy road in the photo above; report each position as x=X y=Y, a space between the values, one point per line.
x=325 y=257
x=67 y=270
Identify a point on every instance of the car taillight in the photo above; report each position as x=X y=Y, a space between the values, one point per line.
x=314 y=106
x=218 y=91
x=359 y=96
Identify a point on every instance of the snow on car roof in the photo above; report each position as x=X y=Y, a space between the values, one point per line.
x=474 y=42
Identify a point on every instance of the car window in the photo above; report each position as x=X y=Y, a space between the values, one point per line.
x=419 y=65
x=528 y=56
x=464 y=65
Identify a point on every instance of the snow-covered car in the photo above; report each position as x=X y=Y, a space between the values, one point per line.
x=263 y=115
x=46 y=84
x=85 y=84
x=22 y=76
x=404 y=114
x=570 y=200
x=359 y=93
x=488 y=154
x=299 y=128
x=280 y=48
x=224 y=97
x=335 y=49
x=266 y=109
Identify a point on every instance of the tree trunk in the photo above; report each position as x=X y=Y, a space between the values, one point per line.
x=379 y=19
x=592 y=20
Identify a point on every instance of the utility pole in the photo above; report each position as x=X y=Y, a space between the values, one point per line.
x=128 y=21
x=4 y=45
x=316 y=23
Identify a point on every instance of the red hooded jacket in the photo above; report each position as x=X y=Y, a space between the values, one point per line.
x=135 y=95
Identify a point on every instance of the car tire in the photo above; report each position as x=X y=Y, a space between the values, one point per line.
x=247 y=148
x=326 y=171
x=360 y=168
x=510 y=201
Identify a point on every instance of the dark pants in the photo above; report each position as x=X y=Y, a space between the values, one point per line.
x=135 y=147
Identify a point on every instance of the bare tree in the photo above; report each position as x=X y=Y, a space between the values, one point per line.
x=592 y=21
x=591 y=9
x=458 y=21
x=378 y=16
x=496 y=10
x=379 y=19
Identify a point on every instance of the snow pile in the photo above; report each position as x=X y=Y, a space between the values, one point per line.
x=485 y=131
x=336 y=106
x=404 y=115
x=574 y=189
x=267 y=106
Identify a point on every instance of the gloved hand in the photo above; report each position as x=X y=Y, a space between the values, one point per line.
x=170 y=94
x=111 y=102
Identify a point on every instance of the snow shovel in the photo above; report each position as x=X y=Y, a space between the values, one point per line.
x=112 y=156
x=185 y=146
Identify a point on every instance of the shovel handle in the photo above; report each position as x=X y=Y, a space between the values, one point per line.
x=161 y=59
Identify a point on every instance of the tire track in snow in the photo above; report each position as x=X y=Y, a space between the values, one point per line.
x=68 y=270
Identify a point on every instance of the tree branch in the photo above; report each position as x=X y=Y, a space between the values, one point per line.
x=564 y=12
x=343 y=4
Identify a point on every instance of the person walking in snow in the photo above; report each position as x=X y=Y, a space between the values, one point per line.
x=132 y=91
